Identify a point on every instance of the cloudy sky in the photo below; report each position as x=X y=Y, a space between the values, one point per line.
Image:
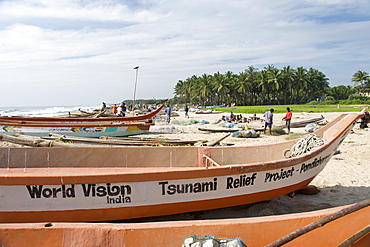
x=81 y=52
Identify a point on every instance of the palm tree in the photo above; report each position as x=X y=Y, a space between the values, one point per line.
x=274 y=79
x=287 y=81
x=264 y=84
x=253 y=86
x=221 y=86
x=242 y=87
x=205 y=89
x=360 y=79
x=253 y=76
x=180 y=89
x=340 y=92
x=318 y=83
x=300 y=84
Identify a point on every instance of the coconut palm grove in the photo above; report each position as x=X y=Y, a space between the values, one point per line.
x=269 y=86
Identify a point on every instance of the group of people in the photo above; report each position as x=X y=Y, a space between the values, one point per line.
x=269 y=116
x=168 y=113
x=234 y=118
x=120 y=110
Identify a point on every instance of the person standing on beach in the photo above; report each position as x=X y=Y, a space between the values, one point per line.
x=168 y=114
x=288 y=119
x=186 y=111
x=103 y=106
x=122 y=110
x=268 y=119
x=114 y=108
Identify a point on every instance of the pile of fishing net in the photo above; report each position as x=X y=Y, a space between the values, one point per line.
x=188 y=122
x=251 y=133
x=304 y=145
x=212 y=241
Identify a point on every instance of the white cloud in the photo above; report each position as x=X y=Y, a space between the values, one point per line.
x=87 y=49
x=75 y=10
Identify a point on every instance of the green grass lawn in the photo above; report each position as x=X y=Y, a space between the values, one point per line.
x=294 y=108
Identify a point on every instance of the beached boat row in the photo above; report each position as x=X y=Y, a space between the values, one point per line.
x=25 y=119
x=76 y=129
x=112 y=183
x=80 y=127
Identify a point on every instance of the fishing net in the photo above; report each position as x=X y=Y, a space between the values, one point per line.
x=304 y=145
x=212 y=241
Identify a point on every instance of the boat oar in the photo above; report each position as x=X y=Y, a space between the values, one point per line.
x=31 y=141
x=18 y=140
x=99 y=114
x=215 y=142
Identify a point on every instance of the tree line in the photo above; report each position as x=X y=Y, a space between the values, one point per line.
x=264 y=87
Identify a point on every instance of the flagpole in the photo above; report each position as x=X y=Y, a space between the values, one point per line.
x=133 y=102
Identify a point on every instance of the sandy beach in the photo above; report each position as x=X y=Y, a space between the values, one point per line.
x=345 y=180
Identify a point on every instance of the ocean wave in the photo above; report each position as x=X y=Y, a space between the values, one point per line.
x=44 y=111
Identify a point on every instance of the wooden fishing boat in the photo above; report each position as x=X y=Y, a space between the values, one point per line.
x=25 y=119
x=352 y=229
x=84 y=129
x=303 y=123
x=222 y=130
x=100 y=184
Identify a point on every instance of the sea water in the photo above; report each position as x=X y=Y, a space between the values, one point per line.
x=44 y=111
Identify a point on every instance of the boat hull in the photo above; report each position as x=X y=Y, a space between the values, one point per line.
x=78 y=131
x=128 y=212
x=122 y=193
x=25 y=119
x=258 y=231
x=99 y=184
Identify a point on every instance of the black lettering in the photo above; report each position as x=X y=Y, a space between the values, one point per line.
x=180 y=189
x=197 y=188
x=70 y=192
x=188 y=188
x=229 y=183
x=254 y=176
x=207 y=186
x=171 y=189
x=87 y=189
x=47 y=192
x=119 y=199
x=34 y=191
x=55 y=192
x=163 y=187
x=126 y=188
x=114 y=191
x=101 y=191
x=236 y=183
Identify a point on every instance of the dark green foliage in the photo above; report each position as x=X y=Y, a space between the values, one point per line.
x=252 y=87
x=270 y=86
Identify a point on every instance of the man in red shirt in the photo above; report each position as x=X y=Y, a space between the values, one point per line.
x=288 y=118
